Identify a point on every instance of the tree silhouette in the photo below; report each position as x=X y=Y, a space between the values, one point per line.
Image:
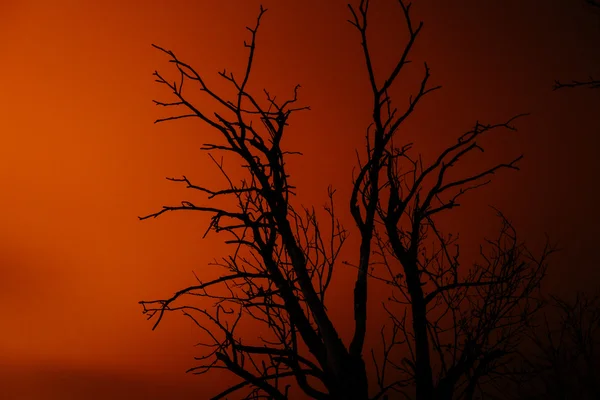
x=590 y=82
x=449 y=327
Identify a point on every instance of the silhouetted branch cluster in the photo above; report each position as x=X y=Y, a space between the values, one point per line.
x=590 y=82
x=561 y=358
x=450 y=327
x=472 y=319
x=397 y=198
x=282 y=264
x=568 y=361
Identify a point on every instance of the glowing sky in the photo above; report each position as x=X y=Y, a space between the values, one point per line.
x=80 y=157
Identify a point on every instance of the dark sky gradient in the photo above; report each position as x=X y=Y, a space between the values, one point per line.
x=81 y=159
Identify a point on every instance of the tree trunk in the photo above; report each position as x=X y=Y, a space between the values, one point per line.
x=424 y=378
x=351 y=383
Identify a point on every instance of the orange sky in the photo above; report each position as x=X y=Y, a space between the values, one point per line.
x=81 y=159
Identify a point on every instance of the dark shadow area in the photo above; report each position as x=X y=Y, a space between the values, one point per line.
x=561 y=358
x=28 y=382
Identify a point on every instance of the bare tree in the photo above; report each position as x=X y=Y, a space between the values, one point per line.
x=485 y=310
x=448 y=329
x=590 y=82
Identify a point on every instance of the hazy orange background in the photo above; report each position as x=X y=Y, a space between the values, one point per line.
x=80 y=158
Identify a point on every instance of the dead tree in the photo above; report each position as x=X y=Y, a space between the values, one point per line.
x=590 y=82
x=283 y=261
x=458 y=328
